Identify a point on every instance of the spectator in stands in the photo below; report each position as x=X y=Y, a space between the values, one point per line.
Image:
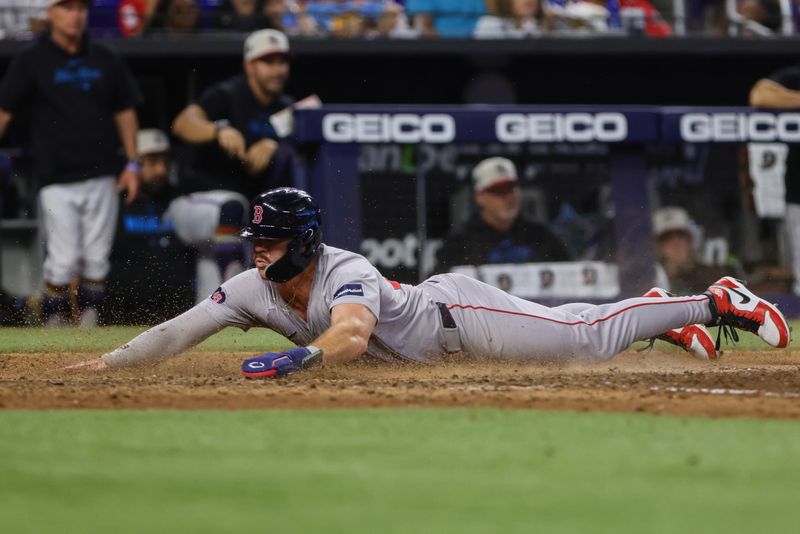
x=654 y=23
x=512 y=19
x=247 y=15
x=445 y=18
x=781 y=90
x=235 y=146
x=706 y=16
x=634 y=16
x=274 y=12
x=135 y=16
x=20 y=17
x=765 y=12
x=346 y=18
x=82 y=100
x=498 y=233
x=175 y=17
x=392 y=22
x=679 y=269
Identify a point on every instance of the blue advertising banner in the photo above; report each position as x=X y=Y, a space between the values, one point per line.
x=728 y=125
x=483 y=124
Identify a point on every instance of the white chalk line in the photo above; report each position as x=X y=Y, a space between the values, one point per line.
x=654 y=389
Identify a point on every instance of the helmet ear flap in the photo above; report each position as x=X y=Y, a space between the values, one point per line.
x=307 y=236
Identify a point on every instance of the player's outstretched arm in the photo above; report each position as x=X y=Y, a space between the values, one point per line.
x=158 y=343
x=345 y=340
x=348 y=335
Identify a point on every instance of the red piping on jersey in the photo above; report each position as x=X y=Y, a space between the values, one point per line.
x=672 y=301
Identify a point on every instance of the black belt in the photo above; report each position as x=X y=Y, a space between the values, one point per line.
x=452 y=341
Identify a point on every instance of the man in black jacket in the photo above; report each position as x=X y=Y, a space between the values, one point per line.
x=81 y=98
x=497 y=233
x=236 y=151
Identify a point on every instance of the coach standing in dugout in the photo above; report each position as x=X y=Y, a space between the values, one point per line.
x=81 y=98
x=235 y=142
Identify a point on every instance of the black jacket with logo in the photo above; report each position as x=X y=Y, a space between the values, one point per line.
x=72 y=99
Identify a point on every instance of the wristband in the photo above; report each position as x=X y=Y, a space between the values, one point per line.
x=133 y=166
x=314 y=357
x=219 y=125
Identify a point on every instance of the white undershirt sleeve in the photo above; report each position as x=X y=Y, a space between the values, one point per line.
x=165 y=340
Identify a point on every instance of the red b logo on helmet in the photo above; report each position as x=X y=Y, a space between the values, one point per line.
x=258 y=214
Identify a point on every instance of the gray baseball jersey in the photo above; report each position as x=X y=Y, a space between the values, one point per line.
x=411 y=323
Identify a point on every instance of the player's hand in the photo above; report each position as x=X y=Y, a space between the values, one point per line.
x=260 y=154
x=277 y=364
x=232 y=142
x=128 y=181
x=96 y=365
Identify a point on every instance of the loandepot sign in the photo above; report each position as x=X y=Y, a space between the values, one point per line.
x=734 y=127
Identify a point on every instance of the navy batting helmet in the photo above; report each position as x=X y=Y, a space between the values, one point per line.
x=284 y=213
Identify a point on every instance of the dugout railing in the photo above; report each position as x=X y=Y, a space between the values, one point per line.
x=337 y=135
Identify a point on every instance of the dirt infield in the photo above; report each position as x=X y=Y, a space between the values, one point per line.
x=743 y=384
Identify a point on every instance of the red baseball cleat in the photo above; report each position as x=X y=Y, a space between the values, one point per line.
x=733 y=305
x=694 y=338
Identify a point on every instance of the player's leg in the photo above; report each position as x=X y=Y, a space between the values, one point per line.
x=495 y=324
x=59 y=206
x=226 y=244
x=574 y=307
x=792 y=225
x=211 y=221
x=98 y=224
x=694 y=339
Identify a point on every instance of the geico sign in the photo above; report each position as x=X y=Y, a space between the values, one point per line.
x=703 y=127
x=388 y=128
x=557 y=127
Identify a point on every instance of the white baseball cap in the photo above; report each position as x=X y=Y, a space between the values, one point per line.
x=265 y=42
x=493 y=171
x=671 y=219
x=151 y=141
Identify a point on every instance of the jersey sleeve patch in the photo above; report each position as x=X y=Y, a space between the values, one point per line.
x=218 y=296
x=349 y=290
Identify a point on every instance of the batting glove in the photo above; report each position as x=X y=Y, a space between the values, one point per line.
x=277 y=364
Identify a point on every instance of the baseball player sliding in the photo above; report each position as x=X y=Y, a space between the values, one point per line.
x=336 y=306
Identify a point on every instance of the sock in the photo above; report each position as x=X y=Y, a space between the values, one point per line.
x=56 y=302
x=229 y=257
x=227 y=248
x=91 y=295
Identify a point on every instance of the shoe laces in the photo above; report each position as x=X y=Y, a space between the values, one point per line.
x=730 y=333
x=649 y=347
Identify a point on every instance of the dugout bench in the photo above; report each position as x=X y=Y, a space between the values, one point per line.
x=337 y=134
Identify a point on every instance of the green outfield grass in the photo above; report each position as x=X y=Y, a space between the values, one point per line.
x=107 y=338
x=230 y=339
x=385 y=471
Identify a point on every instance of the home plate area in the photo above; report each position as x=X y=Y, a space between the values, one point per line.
x=761 y=384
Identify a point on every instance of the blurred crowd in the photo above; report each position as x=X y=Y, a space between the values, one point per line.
x=409 y=19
